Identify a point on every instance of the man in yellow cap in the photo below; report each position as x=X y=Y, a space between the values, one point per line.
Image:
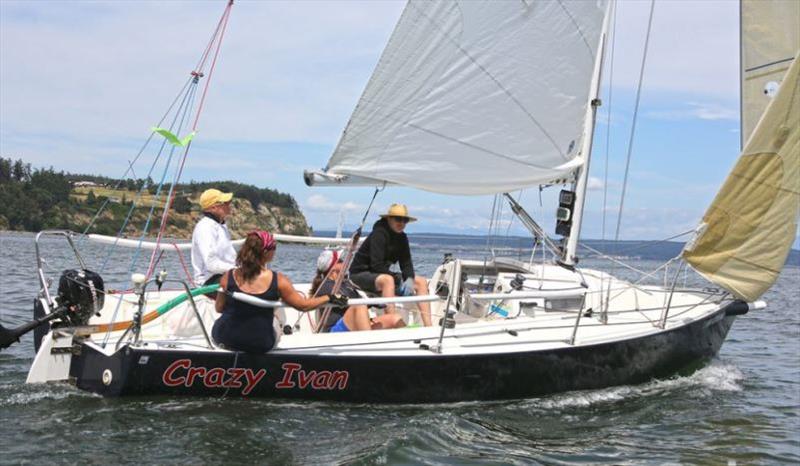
x=386 y=245
x=212 y=251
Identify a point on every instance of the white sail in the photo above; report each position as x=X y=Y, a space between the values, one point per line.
x=475 y=97
x=770 y=38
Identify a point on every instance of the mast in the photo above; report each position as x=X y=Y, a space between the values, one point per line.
x=569 y=254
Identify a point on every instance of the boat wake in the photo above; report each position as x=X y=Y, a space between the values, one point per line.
x=22 y=394
x=717 y=376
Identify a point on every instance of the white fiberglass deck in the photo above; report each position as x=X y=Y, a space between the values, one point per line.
x=531 y=324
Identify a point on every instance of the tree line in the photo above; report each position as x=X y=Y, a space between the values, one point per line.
x=33 y=199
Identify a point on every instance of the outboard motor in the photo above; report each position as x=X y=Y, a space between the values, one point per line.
x=83 y=293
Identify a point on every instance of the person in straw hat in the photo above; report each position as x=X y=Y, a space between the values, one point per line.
x=386 y=245
x=212 y=250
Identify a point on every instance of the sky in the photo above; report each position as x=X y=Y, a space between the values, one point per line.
x=81 y=83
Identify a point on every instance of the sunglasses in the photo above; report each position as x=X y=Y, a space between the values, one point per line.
x=399 y=219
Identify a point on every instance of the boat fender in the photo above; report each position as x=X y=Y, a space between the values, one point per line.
x=737 y=308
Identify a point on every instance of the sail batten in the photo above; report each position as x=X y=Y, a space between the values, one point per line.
x=475 y=97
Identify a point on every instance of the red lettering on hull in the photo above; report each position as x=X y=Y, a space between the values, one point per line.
x=181 y=372
x=295 y=376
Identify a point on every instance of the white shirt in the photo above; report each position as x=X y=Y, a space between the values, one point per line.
x=212 y=250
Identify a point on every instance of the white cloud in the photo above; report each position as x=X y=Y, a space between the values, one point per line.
x=697 y=110
x=594 y=184
x=320 y=203
x=694 y=47
x=82 y=81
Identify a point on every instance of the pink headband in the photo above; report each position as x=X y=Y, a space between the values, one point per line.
x=267 y=240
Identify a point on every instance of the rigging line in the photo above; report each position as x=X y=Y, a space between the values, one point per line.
x=337 y=284
x=170 y=196
x=170 y=193
x=635 y=114
x=513 y=217
x=224 y=21
x=497 y=83
x=162 y=226
x=211 y=70
x=189 y=277
x=135 y=259
x=488 y=237
x=608 y=115
x=139 y=154
x=134 y=202
x=654 y=243
x=200 y=64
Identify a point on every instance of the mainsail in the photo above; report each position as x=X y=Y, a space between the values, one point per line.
x=749 y=229
x=770 y=37
x=476 y=97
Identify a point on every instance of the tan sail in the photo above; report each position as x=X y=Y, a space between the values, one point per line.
x=770 y=38
x=749 y=229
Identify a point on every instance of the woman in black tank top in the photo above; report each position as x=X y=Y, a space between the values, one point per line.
x=249 y=328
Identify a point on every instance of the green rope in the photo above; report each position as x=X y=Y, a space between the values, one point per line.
x=162 y=309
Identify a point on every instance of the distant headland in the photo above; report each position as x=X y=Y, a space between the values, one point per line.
x=34 y=199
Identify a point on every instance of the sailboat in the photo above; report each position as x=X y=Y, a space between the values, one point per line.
x=473 y=98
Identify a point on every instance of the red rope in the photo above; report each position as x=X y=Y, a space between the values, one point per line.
x=213 y=64
x=183 y=264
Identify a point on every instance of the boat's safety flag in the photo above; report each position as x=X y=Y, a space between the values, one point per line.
x=748 y=230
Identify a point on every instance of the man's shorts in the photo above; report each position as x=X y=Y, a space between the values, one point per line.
x=366 y=281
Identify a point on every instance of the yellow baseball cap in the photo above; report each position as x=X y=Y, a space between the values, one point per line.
x=212 y=196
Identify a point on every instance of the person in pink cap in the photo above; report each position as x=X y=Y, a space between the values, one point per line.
x=246 y=327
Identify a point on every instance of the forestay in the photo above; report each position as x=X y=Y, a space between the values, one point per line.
x=748 y=230
x=770 y=38
x=475 y=97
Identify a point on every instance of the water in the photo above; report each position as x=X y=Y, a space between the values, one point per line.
x=743 y=408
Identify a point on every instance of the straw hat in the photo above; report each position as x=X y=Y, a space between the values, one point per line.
x=398 y=210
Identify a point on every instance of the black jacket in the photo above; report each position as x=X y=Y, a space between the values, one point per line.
x=382 y=248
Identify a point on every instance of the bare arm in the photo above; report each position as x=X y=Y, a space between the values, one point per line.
x=291 y=297
x=220 y=303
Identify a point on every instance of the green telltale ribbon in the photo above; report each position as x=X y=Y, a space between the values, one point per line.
x=172 y=138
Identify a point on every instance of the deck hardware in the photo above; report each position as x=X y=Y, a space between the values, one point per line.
x=107 y=377
x=449 y=320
